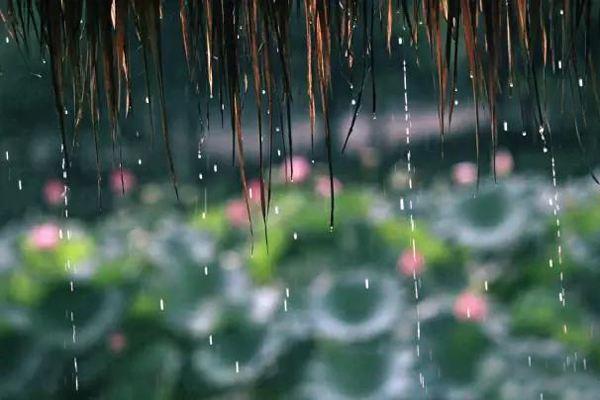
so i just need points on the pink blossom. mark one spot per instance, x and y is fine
(464, 173)
(301, 169)
(504, 162)
(122, 181)
(470, 306)
(323, 187)
(54, 192)
(117, 342)
(45, 236)
(410, 264)
(237, 214)
(254, 191)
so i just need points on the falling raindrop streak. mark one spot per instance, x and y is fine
(7, 157)
(285, 300)
(71, 269)
(554, 203)
(409, 171)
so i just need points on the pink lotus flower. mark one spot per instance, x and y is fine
(45, 236)
(323, 187)
(254, 191)
(122, 181)
(504, 162)
(54, 192)
(470, 306)
(301, 169)
(237, 214)
(117, 342)
(410, 264)
(464, 173)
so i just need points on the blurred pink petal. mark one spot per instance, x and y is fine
(122, 181)
(45, 236)
(117, 342)
(54, 192)
(464, 173)
(254, 191)
(301, 169)
(323, 188)
(470, 306)
(410, 264)
(237, 214)
(504, 163)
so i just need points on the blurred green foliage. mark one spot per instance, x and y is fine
(163, 305)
